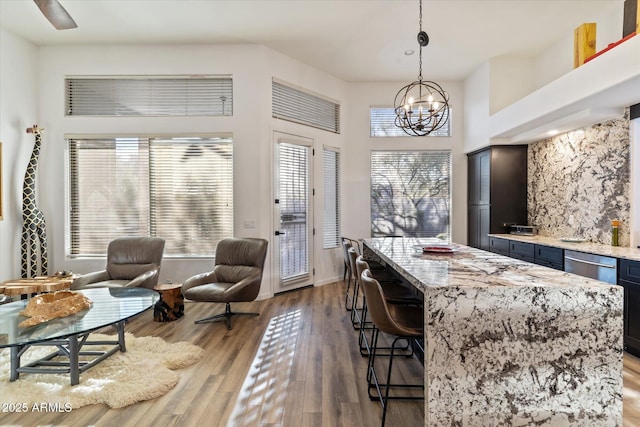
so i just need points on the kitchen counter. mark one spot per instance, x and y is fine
(511, 343)
(588, 247)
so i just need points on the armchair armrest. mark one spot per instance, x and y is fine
(89, 278)
(244, 283)
(148, 279)
(199, 279)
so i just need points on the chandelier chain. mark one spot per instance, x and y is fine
(420, 53)
(421, 107)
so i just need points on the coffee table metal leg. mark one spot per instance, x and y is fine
(120, 328)
(15, 362)
(74, 368)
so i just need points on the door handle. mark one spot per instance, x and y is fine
(597, 264)
(280, 233)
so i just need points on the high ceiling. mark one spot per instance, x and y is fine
(355, 40)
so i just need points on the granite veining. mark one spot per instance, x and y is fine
(510, 343)
(579, 181)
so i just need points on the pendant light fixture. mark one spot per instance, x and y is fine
(422, 106)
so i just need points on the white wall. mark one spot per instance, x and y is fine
(252, 127)
(477, 100)
(557, 60)
(18, 100)
(510, 78)
(356, 179)
(328, 262)
(500, 82)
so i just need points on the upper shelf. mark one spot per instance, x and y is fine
(599, 90)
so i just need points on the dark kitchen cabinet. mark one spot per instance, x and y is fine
(479, 218)
(522, 250)
(499, 246)
(629, 278)
(549, 256)
(497, 191)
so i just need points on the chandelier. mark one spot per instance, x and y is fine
(422, 106)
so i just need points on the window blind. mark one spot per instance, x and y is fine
(294, 208)
(180, 189)
(331, 210)
(149, 96)
(295, 105)
(410, 193)
(382, 124)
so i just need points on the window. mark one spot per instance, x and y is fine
(410, 193)
(382, 124)
(180, 189)
(295, 105)
(330, 171)
(149, 96)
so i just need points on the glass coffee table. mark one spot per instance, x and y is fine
(111, 307)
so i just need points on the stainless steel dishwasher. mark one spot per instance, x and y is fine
(589, 265)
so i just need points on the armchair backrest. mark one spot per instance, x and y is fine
(129, 257)
(239, 258)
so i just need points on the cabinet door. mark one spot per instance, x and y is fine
(478, 227)
(473, 227)
(484, 177)
(631, 316)
(549, 256)
(508, 187)
(473, 185)
(629, 277)
(521, 250)
(499, 246)
(479, 178)
(484, 213)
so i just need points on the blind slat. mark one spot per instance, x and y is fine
(382, 124)
(294, 207)
(331, 214)
(410, 193)
(294, 105)
(180, 189)
(149, 96)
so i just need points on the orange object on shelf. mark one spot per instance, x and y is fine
(611, 46)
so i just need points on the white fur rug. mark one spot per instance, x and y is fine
(145, 371)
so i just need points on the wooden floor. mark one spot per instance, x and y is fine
(297, 364)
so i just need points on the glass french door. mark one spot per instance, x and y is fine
(293, 211)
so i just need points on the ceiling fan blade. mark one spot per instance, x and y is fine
(56, 14)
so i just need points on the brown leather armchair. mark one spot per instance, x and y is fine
(236, 276)
(131, 261)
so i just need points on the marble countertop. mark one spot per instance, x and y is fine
(588, 247)
(467, 267)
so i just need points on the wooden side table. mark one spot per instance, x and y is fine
(170, 306)
(35, 285)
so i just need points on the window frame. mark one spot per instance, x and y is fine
(149, 96)
(448, 199)
(400, 133)
(335, 213)
(71, 192)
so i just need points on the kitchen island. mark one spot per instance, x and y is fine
(509, 343)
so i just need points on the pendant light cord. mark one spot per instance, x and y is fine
(420, 53)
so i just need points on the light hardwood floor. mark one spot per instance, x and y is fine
(297, 364)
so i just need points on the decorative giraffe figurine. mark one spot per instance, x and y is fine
(33, 223)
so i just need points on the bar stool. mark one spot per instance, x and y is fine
(348, 272)
(402, 322)
(394, 292)
(382, 276)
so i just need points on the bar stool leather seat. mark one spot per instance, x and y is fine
(402, 322)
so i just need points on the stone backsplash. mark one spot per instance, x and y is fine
(579, 181)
